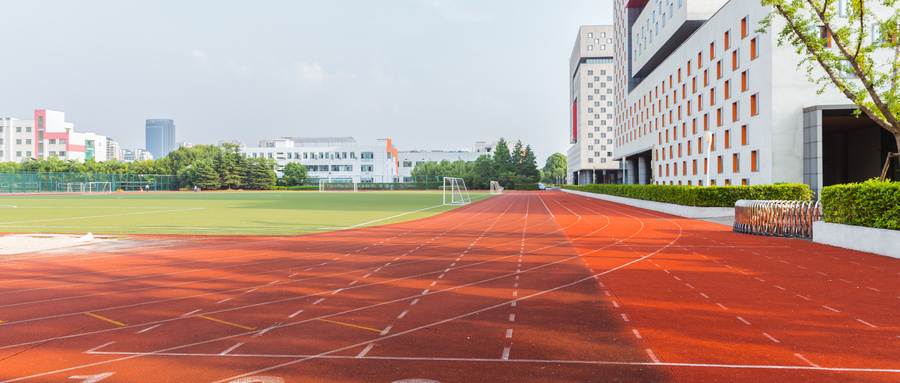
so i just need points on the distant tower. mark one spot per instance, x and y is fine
(160, 137)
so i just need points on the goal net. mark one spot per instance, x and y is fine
(97, 188)
(74, 187)
(455, 192)
(325, 186)
(495, 188)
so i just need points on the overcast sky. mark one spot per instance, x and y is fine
(429, 74)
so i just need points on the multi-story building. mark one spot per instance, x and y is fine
(702, 95)
(160, 137)
(48, 135)
(337, 159)
(113, 150)
(591, 94)
(410, 158)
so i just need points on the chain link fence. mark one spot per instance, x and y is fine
(53, 182)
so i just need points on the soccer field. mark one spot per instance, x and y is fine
(216, 213)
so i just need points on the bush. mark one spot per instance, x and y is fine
(871, 204)
(525, 186)
(709, 196)
(296, 188)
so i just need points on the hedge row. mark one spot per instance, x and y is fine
(708, 196)
(871, 203)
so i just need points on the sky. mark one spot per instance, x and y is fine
(429, 74)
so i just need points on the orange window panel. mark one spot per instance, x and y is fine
(735, 163)
(754, 161)
(679, 75)
(735, 60)
(754, 108)
(706, 166)
(743, 27)
(727, 40)
(745, 181)
(683, 169)
(744, 132)
(719, 117)
(699, 59)
(689, 67)
(695, 167)
(719, 69)
(706, 121)
(712, 143)
(727, 89)
(712, 97)
(735, 111)
(679, 150)
(744, 81)
(719, 164)
(753, 49)
(699, 145)
(727, 139)
(694, 85)
(712, 51)
(694, 126)
(706, 77)
(683, 91)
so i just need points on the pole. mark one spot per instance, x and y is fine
(709, 138)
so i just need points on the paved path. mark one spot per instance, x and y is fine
(522, 287)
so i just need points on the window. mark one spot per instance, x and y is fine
(712, 51)
(694, 167)
(719, 69)
(735, 111)
(712, 97)
(367, 155)
(590, 34)
(754, 161)
(727, 139)
(825, 35)
(18, 154)
(719, 164)
(735, 59)
(18, 141)
(590, 73)
(719, 117)
(754, 50)
(754, 105)
(407, 164)
(744, 138)
(745, 27)
(744, 81)
(590, 47)
(706, 77)
(596, 41)
(28, 129)
(727, 42)
(27, 141)
(18, 130)
(727, 89)
(602, 34)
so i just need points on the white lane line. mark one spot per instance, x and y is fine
(743, 320)
(636, 333)
(148, 329)
(512, 317)
(413, 303)
(802, 267)
(336, 291)
(866, 323)
(272, 283)
(807, 361)
(98, 347)
(433, 283)
(845, 281)
(873, 289)
(513, 304)
(615, 304)
(515, 293)
(689, 285)
(192, 312)
(386, 330)
(259, 334)
(652, 357)
(403, 314)
(803, 297)
(447, 270)
(704, 295)
(771, 338)
(376, 270)
(318, 301)
(353, 283)
(625, 318)
(249, 291)
(667, 271)
(365, 350)
(819, 272)
(676, 278)
(367, 275)
(292, 275)
(509, 333)
(224, 300)
(424, 292)
(723, 307)
(516, 285)
(452, 264)
(230, 349)
(295, 314)
(780, 288)
(607, 293)
(441, 276)
(831, 309)
(759, 279)
(505, 354)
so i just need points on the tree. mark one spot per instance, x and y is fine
(554, 168)
(859, 54)
(528, 168)
(261, 173)
(205, 175)
(231, 166)
(294, 174)
(502, 158)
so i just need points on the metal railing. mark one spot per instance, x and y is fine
(777, 218)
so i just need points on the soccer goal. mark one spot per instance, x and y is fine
(455, 192)
(495, 188)
(74, 187)
(97, 188)
(350, 186)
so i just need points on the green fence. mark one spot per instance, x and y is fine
(51, 182)
(392, 183)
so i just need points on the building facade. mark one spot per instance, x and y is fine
(703, 98)
(592, 98)
(409, 159)
(48, 135)
(160, 137)
(337, 159)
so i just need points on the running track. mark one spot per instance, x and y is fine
(522, 287)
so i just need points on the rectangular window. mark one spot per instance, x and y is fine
(712, 143)
(699, 59)
(727, 139)
(719, 164)
(18, 141)
(712, 97)
(719, 117)
(727, 89)
(727, 43)
(744, 139)
(706, 166)
(712, 51)
(706, 121)
(736, 162)
(735, 59)
(689, 67)
(706, 77)
(735, 111)
(754, 105)
(744, 28)
(744, 81)
(689, 152)
(754, 161)
(694, 167)
(745, 182)
(719, 69)
(754, 50)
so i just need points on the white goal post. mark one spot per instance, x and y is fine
(495, 188)
(325, 186)
(455, 192)
(97, 188)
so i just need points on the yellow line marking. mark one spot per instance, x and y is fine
(348, 324)
(229, 323)
(107, 319)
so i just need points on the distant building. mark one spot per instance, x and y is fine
(591, 95)
(338, 159)
(240, 144)
(113, 150)
(48, 135)
(183, 144)
(409, 159)
(160, 137)
(136, 155)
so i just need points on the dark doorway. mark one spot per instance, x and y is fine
(854, 148)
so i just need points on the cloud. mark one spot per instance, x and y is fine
(236, 68)
(200, 59)
(308, 73)
(451, 11)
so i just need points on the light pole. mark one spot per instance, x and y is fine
(709, 138)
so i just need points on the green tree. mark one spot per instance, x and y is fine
(232, 166)
(483, 172)
(859, 54)
(502, 159)
(294, 174)
(205, 175)
(261, 173)
(554, 168)
(529, 168)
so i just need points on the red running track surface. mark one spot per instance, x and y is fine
(521, 287)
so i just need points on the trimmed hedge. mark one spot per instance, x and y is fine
(871, 203)
(296, 188)
(703, 196)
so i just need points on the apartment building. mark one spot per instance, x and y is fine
(48, 135)
(337, 159)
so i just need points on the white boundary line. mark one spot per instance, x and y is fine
(402, 214)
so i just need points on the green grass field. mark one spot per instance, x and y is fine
(216, 213)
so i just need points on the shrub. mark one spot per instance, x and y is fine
(871, 203)
(296, 188)
(709, 196)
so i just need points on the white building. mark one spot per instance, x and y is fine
(338, 159)
(48, 135)
(113, 150)
(409, 159)
(689, 68)
(591, 96)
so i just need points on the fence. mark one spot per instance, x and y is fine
(54, 182)
(777, 218)
(392, 183)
